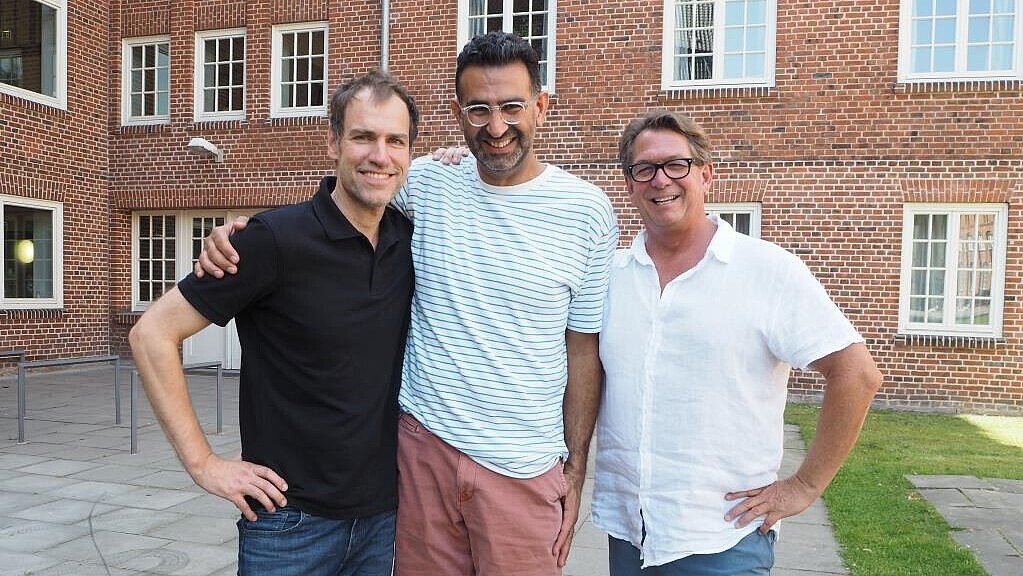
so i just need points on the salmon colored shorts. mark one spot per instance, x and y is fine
(457, 518)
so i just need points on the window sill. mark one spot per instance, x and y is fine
(31, 313)
(711, 91)
(952, 85)
(936, 341)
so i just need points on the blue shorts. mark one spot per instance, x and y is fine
(752, 556)
(290, 542)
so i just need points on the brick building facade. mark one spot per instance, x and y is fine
(882, 142)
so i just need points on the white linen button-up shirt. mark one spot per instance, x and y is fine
(696, 380)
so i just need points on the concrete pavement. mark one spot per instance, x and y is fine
(74, 501)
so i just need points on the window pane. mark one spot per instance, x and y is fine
(287, 45)
(980, 6)
(936, 284)
(733, 40)
(918, 284)
(917, 306)
(735, 13)
(944, 7)
(939, 226)
(921, 60)
(945, 31)
(923, 8)
(1001, 57)
(317, 40)
(302, 43)
(733, 66)
(755, 39)
(742, 223)
(938, 254)
(28, 252)
(919, 258)
(979, 29)
(922, 32)
(210, 51)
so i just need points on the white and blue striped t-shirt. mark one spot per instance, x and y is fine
(501, 273)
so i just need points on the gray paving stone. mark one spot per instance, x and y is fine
(13, 501)
(63, 511)
(92, 491)
(201, 530)
(199, 559)
(995, 499)
(945, 497)
(32, 536)
(207, 505)
(113, 473)
(947, 481)
(33, 448)
(171, 479)
(133, 520)
(1004, 485)
(34, 483)
(82, 452)
(21, 564)
(801, 547)
(84, 569)
(57, 467)
(153, 498)
(15, 461)
(100, 545)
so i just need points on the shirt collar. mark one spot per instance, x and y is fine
(337, 227)
(721, 245)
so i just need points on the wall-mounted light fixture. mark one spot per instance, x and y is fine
(203, 147)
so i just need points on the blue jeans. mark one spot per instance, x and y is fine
(290, 542)
(752, 556)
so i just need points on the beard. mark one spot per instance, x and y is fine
(500, 163)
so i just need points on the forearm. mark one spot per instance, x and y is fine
(852, 382)
(155, 341)
(582, 398)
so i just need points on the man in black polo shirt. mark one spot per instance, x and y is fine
(322, 313)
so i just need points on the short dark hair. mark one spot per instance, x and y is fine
(381, 86)
(665, 120)
(497, 48)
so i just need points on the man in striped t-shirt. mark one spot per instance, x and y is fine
(501, 380)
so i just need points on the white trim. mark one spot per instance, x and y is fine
(59, 99)
(126, 45)
(182, 242)
(199, 84)
(953, 210)
(668, 81)
(57, 301)
(462, 35)
(905, 74)
(276, 111)
(754, 209)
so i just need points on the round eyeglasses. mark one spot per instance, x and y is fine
(676, 169)
(511, 112)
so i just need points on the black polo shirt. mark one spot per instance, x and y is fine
(322, 320)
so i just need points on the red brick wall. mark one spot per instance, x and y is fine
(832, 152)
(61, 155)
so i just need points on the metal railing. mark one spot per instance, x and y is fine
(23, 377)
(133, 402)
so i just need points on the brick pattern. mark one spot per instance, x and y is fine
(832, 151)
(61, 155)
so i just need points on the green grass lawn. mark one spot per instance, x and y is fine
(883, 526)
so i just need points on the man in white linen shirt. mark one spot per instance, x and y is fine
(701, 327)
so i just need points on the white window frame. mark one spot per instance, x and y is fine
(948, 327)
(276, 110)
(182, 243)
(126, 47)
(959, 73)
(57, 301)
(752, 208)
(59, 99)
(668, 81)
(547, 83)
(201, 114)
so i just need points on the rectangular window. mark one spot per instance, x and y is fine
(165, 246)
(743, 217)
(953, 269)
(532, 20)
(960, 40)
(145, 73)
(33, 50)
(299, 72)
(720, 43)
(220, 75)
(32, 274)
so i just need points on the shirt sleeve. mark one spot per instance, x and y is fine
(586, 311)
(807, 324)
(220, 299)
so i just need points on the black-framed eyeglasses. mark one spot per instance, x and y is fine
(511, 112)
(676, 169)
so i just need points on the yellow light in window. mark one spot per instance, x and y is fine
(25, 251)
